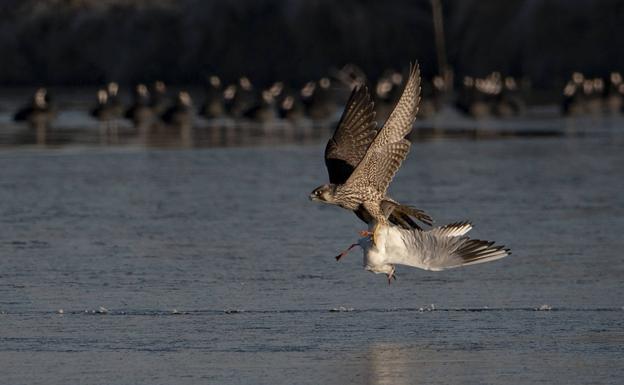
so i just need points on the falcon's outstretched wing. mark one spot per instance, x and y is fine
(355, 132)
(389, 148)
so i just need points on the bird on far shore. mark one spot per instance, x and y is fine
(39, 112)
(181, 113)
(213, 106)
(140, 112)
(102, 111)
(159, 101)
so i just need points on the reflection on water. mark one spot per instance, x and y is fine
(74, 127)
(509, 359)
(216, 134)
(389, 365)
(229, 133)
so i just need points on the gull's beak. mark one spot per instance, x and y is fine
(312, 197)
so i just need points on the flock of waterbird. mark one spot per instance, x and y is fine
(361, 161)
(584, 95)
(494, 95)
(315, 100)
(480, 97)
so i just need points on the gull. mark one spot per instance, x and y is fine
(437, 249)
(362, 161)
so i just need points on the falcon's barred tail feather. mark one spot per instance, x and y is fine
(402, 215)
(411, 211)
(404, 221)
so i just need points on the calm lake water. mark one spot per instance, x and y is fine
(126, 265)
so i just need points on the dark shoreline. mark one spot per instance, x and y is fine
(181, 42)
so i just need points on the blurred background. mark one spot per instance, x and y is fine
(90, 42)
(131, 63)
(156, 159)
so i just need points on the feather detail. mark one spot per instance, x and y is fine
(438, 249)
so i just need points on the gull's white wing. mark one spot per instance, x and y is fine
(435, 250)
(452, 230)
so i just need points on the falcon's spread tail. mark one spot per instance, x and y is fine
(401, 215)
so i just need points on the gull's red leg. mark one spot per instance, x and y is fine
(365, 233)
(345, 252)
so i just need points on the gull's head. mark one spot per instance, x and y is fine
(324, 193)
(381, 269)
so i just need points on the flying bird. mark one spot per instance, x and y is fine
(362, 160)
(437, 249)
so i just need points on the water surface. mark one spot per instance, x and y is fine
(155, 266)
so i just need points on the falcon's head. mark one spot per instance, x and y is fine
(324, 193)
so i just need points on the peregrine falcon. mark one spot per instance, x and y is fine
(362, 160)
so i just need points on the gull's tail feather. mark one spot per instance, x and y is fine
(456, 229)
(475, 251)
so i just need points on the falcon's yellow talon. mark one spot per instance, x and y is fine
(373, 234)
